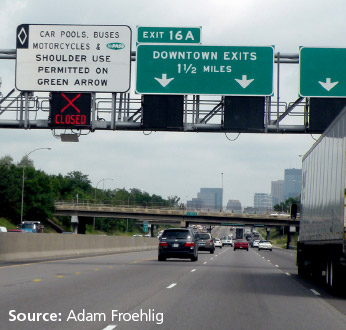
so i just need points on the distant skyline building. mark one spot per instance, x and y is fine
(207, 199)
(278, 191)
(263, 202)
(234, 206)
(293, 183)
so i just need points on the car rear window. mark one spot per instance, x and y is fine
(178, 234)
(203, 236)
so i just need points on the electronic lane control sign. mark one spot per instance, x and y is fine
(73, 58)
(70, 110)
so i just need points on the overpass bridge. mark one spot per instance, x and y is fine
(172, 216)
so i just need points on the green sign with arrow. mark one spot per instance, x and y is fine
(322, 72)
(211, 70)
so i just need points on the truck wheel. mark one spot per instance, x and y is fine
(302, 271)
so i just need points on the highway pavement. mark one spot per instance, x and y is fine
(226, 290)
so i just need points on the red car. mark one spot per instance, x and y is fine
(240, 244)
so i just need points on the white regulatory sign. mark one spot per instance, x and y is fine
(73, 58)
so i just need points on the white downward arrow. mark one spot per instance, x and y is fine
(164, 81)
(328, 85)
(244, 82)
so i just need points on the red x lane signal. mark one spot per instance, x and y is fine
(70, 102)
(70, 110)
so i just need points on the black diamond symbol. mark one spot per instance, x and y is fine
(22, 36)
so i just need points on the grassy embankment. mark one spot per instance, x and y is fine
(277, 239)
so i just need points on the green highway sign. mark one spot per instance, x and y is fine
(145, 226)
(322, 72)
(191, 213)
(169, 35)
(211, 70)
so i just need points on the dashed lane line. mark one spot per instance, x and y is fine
(315, 292)
(110, 327)
(172, 286)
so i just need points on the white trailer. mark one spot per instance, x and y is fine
(321, 248)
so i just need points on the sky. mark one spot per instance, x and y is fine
(178, 164)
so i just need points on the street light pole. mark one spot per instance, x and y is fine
(103, 184)
(96, 191)
(222, 191)
(23, 182)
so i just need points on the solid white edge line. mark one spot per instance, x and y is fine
(288, 274)
(315, 292)
(110, 327)
(172, 286)
(193, 270)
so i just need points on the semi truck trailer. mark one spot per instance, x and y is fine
(321, 250)
(239, 233)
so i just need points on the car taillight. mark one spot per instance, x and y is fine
(189, 244)
(163, 244)
(211, 241)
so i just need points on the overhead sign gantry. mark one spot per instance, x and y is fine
(73, 58)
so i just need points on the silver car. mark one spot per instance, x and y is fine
(264, 245)
(205, 242)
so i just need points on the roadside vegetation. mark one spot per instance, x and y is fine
(41, 190)
(278, 237)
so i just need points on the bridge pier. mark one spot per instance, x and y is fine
(152, 228)
(184, 224)
(268, 233)
(288, 239)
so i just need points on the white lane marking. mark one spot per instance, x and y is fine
(193, 270)
(204, 262)
(277, 266)
(315, 292)
(211, 258)
(288, 274)
(110, 327)
(262, 257)
(172, 286)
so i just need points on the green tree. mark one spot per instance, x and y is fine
(6, 161)
(26, 162)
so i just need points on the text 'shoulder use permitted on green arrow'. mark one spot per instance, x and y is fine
(322, 72)
(211, 70)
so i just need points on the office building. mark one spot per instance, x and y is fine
(278, 191)
(293, 183)
(209, 199)
(234, 206)
(263, 203)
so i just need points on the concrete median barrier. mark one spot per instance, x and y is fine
(27, 246)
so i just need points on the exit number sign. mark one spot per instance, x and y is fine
(169, 35)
